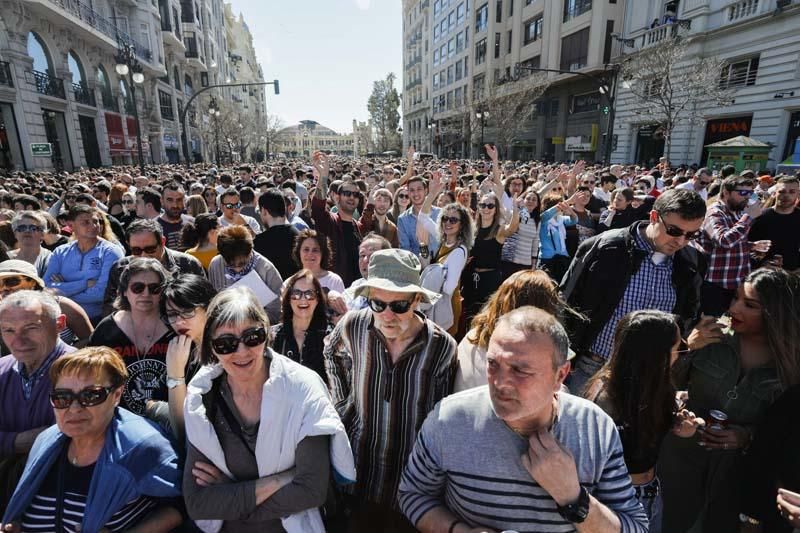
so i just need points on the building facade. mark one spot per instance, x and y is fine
(759, 41)
(416, 102)
(62, 103)
(303, 139)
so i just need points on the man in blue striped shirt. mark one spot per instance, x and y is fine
(518, 454)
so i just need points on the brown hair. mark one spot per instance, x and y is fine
(234, 241)
(322, 241)
(94, 360)
(320, 313)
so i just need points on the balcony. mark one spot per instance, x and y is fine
(5, 74)
(576, 8)
(48, 85)
(83, 95)
(172, 39)
(413, 83)
(193, 54)
(88, 23)
(661, 33)
(414, 61)
(167, 113)
(744, 9)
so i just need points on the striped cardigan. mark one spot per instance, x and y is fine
(383, 405)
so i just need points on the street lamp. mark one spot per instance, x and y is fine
(128, 65)
(431, 126)
(214, 113)
(482, 115)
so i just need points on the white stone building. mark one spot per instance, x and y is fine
(303, 139)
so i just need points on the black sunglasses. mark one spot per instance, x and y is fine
(486, 206)
(88, 397)
(347, 194)
(135, 250)
(152, 288)
(674, 231)
(297, 294)
(237, 205)
(398, 306)
(402, 196)
(451, 220)
(227, 344)
(10, 281)
(745, 193)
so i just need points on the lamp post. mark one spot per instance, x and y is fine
(482, 115)
(275, 84)
(214, 113)
(606, 84)
(430, 126)
(128, 65)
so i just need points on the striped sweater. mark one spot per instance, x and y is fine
(467, 459)
(383, 405)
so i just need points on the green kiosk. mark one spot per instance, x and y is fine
(742, 152)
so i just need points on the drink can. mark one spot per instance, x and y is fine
(719, 420)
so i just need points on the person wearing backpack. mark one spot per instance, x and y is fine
(455, 232)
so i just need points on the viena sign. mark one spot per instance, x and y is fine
(575, 144)
(41, 149)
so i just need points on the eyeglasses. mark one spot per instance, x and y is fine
(172, 315)
(451, 220)
(743, 192)
(10, 282)
(486, 206)
(297, 294)
(674, 231)
(348, 194)
(398, 306)
(402, 196)
(583, 189)
(128, 202)
(135, 250)
(27, 228)
(227, 344)
(152, 288)
(87, 397)
(237, 205)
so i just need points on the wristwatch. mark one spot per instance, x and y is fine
(577, 511)
(174, 382)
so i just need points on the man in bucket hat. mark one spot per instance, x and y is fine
(387, 367)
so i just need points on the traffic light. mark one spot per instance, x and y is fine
(605, 109)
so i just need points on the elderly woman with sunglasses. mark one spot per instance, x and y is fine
(100, 468)
(304, 322)
(262, 432)
(29, 229)
(140, 337)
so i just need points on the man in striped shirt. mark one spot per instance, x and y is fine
(387, 367)
(518, 454)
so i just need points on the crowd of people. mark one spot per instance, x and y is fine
(396, 345)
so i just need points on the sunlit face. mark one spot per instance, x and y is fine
(78, 421)
(661, 240)
(520, 373)
(145, 301)
(172, 202)
(393, 325)
(737, 201)
(417, 193)
(28, 332)
(443, 200)
(451, 223)
(787, 194)
(310, 254)
(464, 197)
(365, 251)
(746, 311)
(11, 283)
(348, 197)
(403, 198)
(186, 321)
(87, 226)
(146, 243)
(303, 308)
(516, 186)
(531, 201)
(230, 206)
(382, 204)
(246, 362)
(210, 197)
(620, 203)
(33, 234)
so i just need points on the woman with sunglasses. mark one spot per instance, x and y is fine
(29, 230)
(521, 248)
(304, 322)
(262, 432)
(637, 392)
(100, 468)
(402, 201)
(733, 374)
(138, 334)
(182, 306)
(210, 196)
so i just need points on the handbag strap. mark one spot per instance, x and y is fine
(236, 428)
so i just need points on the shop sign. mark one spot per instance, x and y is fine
(41, 149)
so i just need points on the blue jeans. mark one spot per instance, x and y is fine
(583, 368)
(649, 495)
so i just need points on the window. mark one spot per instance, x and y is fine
(436, 33)
(482, 18)
(450, 100)
(443, 28)
(451, 47)
(437, 6)
(461, 14)
(511, 8)
(576, 8)
(451, 21)
(459, 70)
(739, 74)
(436, 57)
(165, 102)
(533, 29)
(508, 48)
(466, 66)
(478, 87)
(457, 96)
(583, 103)
(555, 105)
(480, 51)
(497, 45)
(574, 50)
(450, 72)
(436, 80)
(534, 62)
(459, 42)
(498, 10)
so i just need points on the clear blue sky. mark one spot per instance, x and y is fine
(326, 54)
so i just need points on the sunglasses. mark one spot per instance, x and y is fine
(88, 397)
(135, 250)
(11, 281)
(227, 344)
(172, 316)
(237, 205)
(743, 193)
(398, 306)
(152, 288)
(674, 231)
(28, 228)
(486, 206)
(451, 220)
(128, 202)
(402, 196)
(297, 294)
(706, 183)
(348, 194)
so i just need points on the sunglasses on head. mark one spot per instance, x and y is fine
(229, 205)
(87, 397)
(486, 206)
(674, 231)
(297, 294)
(135, 250)
(347, 194)
(398, 306)
(451, 220)
(152, 288)
(28, 228)
(227, 344)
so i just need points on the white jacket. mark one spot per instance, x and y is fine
(296, 404)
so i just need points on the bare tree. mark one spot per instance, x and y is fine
(508, 105)
(271, 132)
(671, 87)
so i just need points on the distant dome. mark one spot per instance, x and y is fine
(312, 126)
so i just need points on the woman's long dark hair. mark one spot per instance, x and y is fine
(320, 318)
(637, 378)
(186, 291)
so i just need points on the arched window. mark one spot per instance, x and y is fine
(105, 88)
(176, 79)
(188, 87)
(38, 51)
(76, 69)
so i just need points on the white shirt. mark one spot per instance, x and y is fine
(689, 186)
(253, 223)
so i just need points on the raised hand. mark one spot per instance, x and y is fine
(491, 151)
